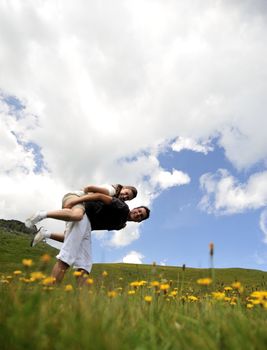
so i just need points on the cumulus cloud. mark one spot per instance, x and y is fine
(166, 179)
(125, 236)
(223, 194)
(163, 262)
(187, 143)
(102, 87)
(133, 257)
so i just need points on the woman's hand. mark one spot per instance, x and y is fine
(70, 204)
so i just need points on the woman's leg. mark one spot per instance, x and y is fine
(74, 214)
(65, 214)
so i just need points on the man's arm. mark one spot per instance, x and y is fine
(90, 197)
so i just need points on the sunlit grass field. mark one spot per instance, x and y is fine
(125, 306)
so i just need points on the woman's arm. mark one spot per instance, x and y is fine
(90, 197)
(96, 189)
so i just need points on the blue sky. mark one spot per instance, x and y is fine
(167, 96)
(179, 232)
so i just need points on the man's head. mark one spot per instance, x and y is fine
(139, 214)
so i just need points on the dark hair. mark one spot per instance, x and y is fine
(147, 211)
(133, 189)
(119, 187)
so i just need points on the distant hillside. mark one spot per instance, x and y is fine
(14, 226)
(15, 246)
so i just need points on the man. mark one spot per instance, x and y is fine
(102, 213)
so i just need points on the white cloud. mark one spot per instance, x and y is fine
(182, 143)
(263, 224)
(224, 195)
(166, 179)
(133, 257)
(103, 84)
(163, 262)
(23, 194)
(125, 236)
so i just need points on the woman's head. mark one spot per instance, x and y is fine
(127, 193)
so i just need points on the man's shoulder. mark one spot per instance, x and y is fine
(118, 203)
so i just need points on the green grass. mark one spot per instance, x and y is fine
(16, 246)
(32, 318)
(34, 315)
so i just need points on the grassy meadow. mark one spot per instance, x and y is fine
(126, 306)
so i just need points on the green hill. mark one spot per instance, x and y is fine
(14, 226)
(15, 246)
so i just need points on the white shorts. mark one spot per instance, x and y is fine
(72, 196)
(76, 249)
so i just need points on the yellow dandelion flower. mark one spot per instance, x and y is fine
(155, 284)
(89, 281)
(173, 293)
(249, 306)
(148, 299)
(164, 286)
(218, 295)
(112, 294)
(227, 299)
(17, 272)
(228, 289)
(104, 273)
(45, 258)
(27, 280)
(238, 286)
(48, 280)
(142, 283)
(134, 284)
(68, 288)
(77, 273)
(27, 262)
(192, 298)
(37, 275)
(259, 294)
(255, 294)
(131, 292)
(204, 281)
